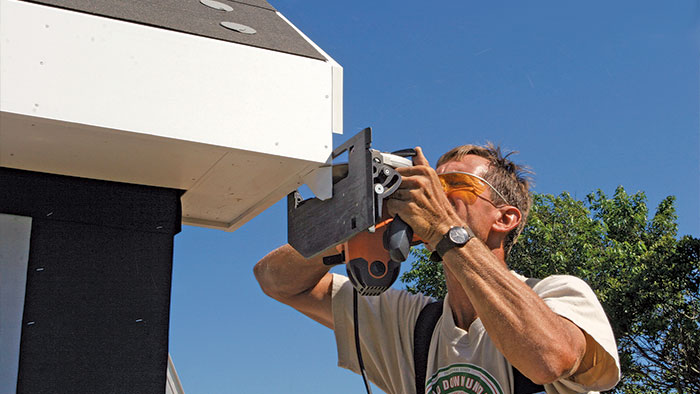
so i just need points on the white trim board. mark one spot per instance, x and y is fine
(172, 384)
(108, 73)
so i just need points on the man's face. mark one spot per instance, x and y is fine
(480, 214)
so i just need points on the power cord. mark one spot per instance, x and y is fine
(357, 342)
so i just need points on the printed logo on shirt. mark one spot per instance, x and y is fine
(463, 379)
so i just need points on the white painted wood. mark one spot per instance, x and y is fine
(336, 77)
(224, 187)
(317, 182)
(246, 184)
(125, 76)
(15, 232)
(173, 384)
(57, 147)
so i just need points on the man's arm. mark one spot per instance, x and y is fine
(304, 284)
(541, 344)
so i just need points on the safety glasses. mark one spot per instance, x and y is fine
(466, 186)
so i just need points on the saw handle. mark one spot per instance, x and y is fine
(397, 239)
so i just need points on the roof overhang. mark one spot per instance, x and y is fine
(234, 125)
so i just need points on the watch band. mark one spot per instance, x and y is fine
(455, 237)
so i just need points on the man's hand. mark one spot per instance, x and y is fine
(421, 202)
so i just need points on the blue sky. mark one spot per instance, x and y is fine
(593, 95)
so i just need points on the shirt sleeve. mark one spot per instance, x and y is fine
(386, 325)
(573, 299)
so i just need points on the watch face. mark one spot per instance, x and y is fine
(458, 235)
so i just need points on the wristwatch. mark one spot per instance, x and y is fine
(456, 237)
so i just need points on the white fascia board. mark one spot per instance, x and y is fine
(337, 81)
(81, 68)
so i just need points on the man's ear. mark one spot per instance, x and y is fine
(509, 219)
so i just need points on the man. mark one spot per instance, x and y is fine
(553, 331)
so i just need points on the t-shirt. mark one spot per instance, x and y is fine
(462, 361)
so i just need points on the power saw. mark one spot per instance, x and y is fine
(371, 244)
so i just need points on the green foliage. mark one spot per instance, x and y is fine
(647, 279)
(425, 275)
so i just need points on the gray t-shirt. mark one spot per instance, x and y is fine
(462, 361)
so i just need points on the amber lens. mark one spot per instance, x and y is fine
(463, 186)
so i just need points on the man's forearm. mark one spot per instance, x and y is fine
(286, 273)
(541, 344)
(304, 284)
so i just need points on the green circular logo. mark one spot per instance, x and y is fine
(463, 379)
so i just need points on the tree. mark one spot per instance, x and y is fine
(647, 279)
